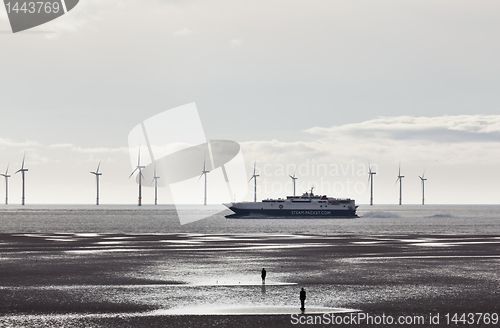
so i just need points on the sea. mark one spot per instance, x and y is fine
(376, 219)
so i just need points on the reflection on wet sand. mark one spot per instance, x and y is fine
(111, 276)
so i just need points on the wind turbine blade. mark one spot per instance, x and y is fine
(423, 174)
(22, 166)
(132, 172)
(200, 177)
(98, 166)
(7, 171)
(254, 164)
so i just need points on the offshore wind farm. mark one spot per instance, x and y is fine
(155, 180)
(400, 180)
(204, 172)
(22, 170)
(140, 176)
(97, 175)
(6, 176)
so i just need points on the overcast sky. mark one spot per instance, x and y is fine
(297, 83)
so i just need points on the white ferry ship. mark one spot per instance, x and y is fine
(307, 205)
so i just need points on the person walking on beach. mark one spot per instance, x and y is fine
(263, 275)
(302, 299)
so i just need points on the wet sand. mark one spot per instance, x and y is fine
(156, 280)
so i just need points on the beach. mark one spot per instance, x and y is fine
(213, 280)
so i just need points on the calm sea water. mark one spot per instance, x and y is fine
(377, 219)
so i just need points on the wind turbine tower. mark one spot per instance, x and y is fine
(139, 167)
(22, 170)
(293, 178)
(204, 172)
(254, 176)
(400, 179)
(423, 185)
(370, 179)
(97, 174)
(155, 179)
(7, 176)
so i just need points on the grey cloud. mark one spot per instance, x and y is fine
(460, 128)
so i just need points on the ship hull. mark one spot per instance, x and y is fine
(305, 206)
(293, 213)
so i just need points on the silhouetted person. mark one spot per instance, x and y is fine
(302, 299)
(263, 275)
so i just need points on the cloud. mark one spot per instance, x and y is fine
(35, 145)
(463, 123)
(446, 146)
(101, 150)
(446, 139)
(91, 150)
(6, 142)
(35, 158)
(183, 32)
(236, 42)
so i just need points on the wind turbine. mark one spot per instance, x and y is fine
(139, 167)
(155, 179)
(423, 183)
(254, 176)
(370, 179)
(293, 178)
(22, 170)
(400, 179)
(7, 176)
(204, 172)
(97, 174)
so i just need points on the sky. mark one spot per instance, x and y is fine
(320, 88)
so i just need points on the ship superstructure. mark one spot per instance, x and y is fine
(307, 205)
